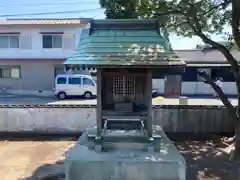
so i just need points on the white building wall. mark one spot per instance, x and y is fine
(34, 76)
(203, 88)
(207, 56)
(36, 50)
(197, 88)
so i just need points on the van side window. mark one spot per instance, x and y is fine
(87, 81)
(61, 80)
(74, 81)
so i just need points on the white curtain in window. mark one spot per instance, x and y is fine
(57, 41)
(15, 72)
(14, 41)
(4, 41)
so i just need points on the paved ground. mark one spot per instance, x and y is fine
(19, 159)
(52, 100)
(206, 160)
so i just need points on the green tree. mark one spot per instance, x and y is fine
(120, 9)
(202, 18)
(197, 18)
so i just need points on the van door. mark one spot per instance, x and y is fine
(89, 85)
(74, 86)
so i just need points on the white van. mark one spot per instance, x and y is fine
(74, 85)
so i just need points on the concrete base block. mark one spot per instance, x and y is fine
(84, 163)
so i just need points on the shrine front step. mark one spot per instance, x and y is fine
(129, 170)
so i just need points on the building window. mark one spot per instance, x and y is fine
(10, 72)
(52, 41)
(9, 41)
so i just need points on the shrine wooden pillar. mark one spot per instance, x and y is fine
(149, 101)
(99, 102)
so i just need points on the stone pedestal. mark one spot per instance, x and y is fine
(124, 161)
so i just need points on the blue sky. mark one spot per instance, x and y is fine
(83, 8)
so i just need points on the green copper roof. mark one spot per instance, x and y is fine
(123, 42)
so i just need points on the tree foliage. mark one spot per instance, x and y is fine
(120, 9)
(202, 18)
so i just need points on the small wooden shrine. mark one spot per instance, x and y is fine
(125, 53)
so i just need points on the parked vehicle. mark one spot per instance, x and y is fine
(74, 85)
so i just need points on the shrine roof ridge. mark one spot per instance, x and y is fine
(125, 24)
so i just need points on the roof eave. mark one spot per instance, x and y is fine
(43, 22)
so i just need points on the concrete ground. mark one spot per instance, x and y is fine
(29, 159)
(53, 100)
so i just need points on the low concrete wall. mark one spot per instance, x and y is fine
(52, 120)
(195, 119)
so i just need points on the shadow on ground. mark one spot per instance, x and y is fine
(48, 172)
(32, 136)
(208, 160)
(55, 171)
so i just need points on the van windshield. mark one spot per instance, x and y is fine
(61, 80)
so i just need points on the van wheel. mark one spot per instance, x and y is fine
(88, 95)
(62, 95)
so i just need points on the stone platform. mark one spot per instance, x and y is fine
(125, 163)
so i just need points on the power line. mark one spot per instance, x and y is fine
(49, 13)
(48, 4)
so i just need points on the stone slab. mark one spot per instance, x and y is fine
(129, 164)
